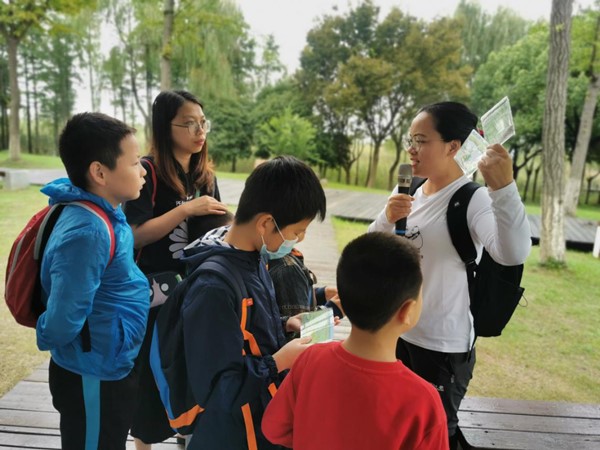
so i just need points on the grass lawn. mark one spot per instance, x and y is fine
(29, 161)
(549, 350)
(18, 354)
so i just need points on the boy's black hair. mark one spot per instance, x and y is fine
(198, 226)
(89, 137)
(284, 187)
(452, 120)
(376, 274)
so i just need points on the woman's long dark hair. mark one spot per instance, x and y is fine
(164, 109)
(452, 120)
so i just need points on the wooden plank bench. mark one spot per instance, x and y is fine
(29, 421)
(493, 423)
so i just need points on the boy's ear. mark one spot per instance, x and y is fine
(97, 174)
(264, 223)
(405, 314)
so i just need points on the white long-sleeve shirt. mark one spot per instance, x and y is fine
(497, 221)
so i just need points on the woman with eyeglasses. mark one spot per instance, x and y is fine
(440, 347)
(180, 187)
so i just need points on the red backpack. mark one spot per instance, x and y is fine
(23, 286)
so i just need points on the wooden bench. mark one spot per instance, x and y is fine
(493, 423)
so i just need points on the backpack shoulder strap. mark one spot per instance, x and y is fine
(45, 229)
(149, 166)
(229, 272)
(456, 217)
(415, 183)
(458, 227)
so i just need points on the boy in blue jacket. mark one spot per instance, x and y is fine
(235, 348)
(93, 387)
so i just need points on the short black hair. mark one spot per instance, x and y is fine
(453, 120)
(198, 226)
(376, 274)
(89, 137)
(284, 187)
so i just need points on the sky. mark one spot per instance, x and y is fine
(290, 20)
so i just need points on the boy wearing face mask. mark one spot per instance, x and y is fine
(234, 374)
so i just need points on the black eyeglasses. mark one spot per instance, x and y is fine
(195, 127)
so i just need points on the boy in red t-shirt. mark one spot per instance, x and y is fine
(356, 394)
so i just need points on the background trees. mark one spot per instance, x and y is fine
(362, 77)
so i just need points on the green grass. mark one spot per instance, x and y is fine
(29, 161)
(587, 212)
(549, 349)
(18, 354)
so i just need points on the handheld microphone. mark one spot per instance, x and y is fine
(404, 180)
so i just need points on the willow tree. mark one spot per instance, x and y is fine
(16, 18)
(552, 236)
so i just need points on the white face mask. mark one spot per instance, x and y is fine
(284, 249)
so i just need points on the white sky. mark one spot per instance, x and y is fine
(290, 20)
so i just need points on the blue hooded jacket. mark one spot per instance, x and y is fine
(77, 285)
(228, 379)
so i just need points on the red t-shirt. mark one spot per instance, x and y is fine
(332, 399)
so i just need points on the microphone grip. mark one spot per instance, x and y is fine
(401, 227)
(401, 224)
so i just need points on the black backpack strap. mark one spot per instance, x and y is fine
(415, 183)
(222, 266)
(456, 216)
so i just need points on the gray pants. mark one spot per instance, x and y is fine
(450, 374)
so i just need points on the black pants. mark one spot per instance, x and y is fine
(94, 414)
(450, 374)
(150, 421)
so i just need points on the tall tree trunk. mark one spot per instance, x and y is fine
(93, 94)
(14, 142)
(36, 120)
(552, 238)
(584, 134)
(573, 188)
(165, 55)
(27, 104)
(373, 165)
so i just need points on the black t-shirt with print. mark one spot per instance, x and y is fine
(163, 254)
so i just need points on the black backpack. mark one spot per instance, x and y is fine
(494, 289)
(167, 355)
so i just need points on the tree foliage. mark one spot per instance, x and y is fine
(16, 19)
(288, 134)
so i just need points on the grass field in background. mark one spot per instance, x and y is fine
(29, 161)
(18, 353)
(549, 349)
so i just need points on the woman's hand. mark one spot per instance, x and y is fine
(202, 206)
(398, 207)
(496, 167)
